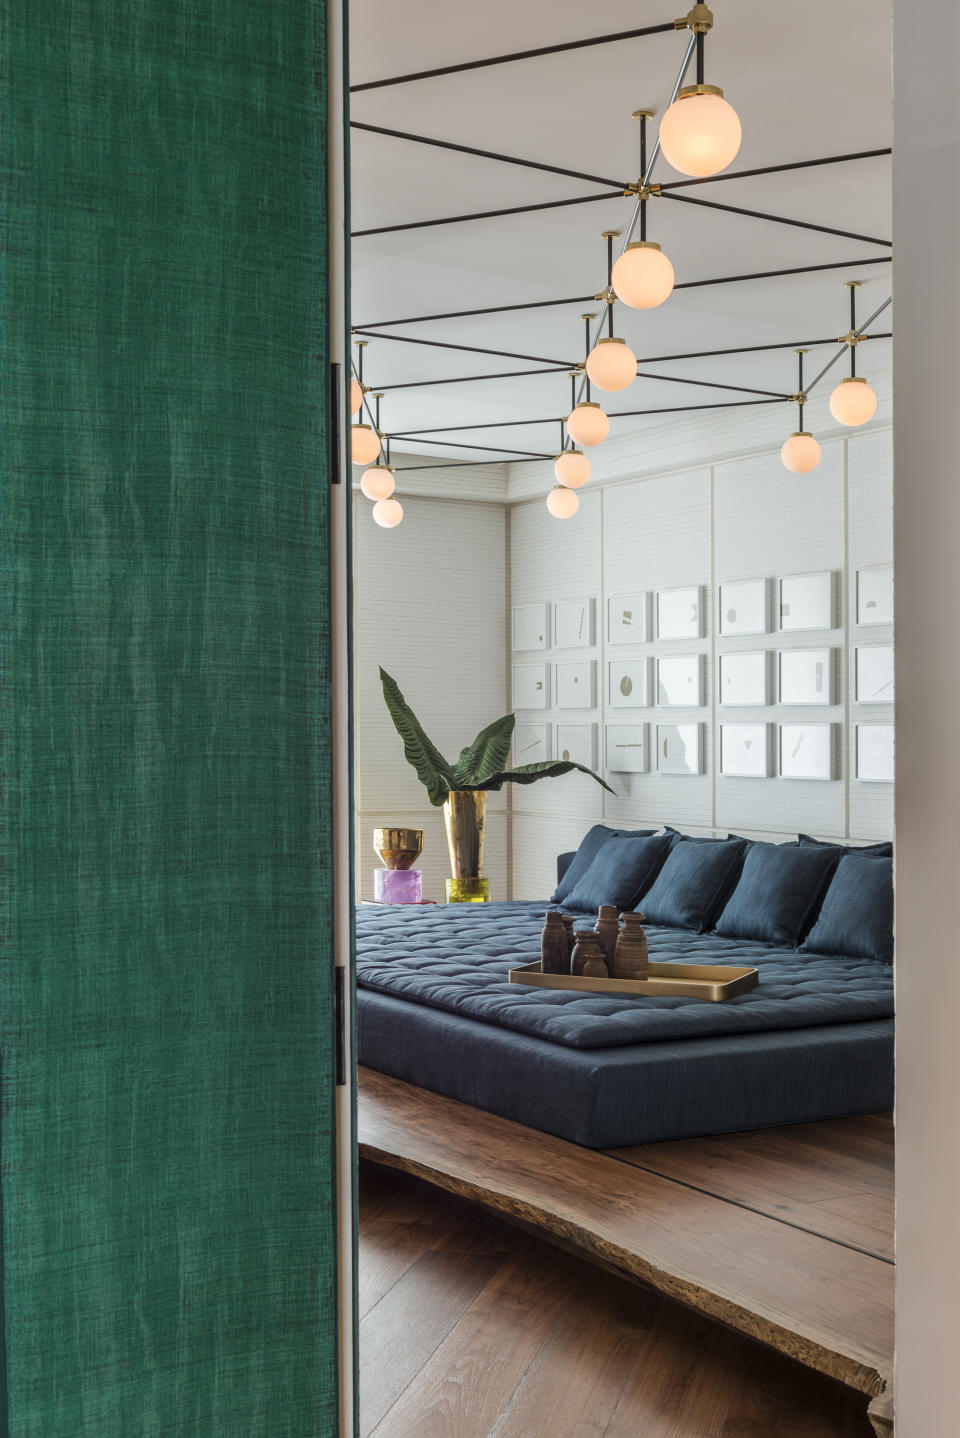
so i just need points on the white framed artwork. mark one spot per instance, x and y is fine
(744, 607)
(874, 753)
(874, 677)
(875, 595)
(574, 684)
(530, 627)
(628, 748)
(806, 751)
(806, 676)
(629, 683)
(531, 686)
(745, 677)
(680, 748)
(628, 619)
(746, 750)
(807, 601)
(680, 613)
(577, 743)
(531, 743)
(680, 680)
(573, 624)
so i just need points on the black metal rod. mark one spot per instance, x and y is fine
(487, 214)
(469, 349)
(777, 169)
(586, 299)
(800, 388)
(753, 349)
(604, 180)
(776, 219)
(700, 40)
(474, 378)
(457, 444)
(514, 56)
(464, 464)
(712, 384)
(865, 326)
(621, 414)
(853, 330)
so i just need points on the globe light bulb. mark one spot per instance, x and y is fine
(643, 276)
(387, 513)
(853, 402)
(364, 444)
(800, 453)
(572, 468)
(378, 482)
(562, 503)
(700, 132)
(587, 424)
(611, 365)
(356, 396)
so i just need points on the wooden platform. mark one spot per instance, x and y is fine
(784, 1234)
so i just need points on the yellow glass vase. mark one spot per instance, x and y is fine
(465, 819)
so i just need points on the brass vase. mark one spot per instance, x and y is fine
(465, 819)
(398, 848)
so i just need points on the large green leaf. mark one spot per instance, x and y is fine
(486, 755)
(543, 769)
(433, 770)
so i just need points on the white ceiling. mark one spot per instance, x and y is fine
(807, 81)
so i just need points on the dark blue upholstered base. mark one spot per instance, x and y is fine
(635, 1093)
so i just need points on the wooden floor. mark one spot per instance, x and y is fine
(784, 1235)
(473, 1328)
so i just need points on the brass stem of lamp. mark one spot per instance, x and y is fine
(465, 820)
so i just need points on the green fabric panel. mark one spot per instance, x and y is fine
(167, 1026)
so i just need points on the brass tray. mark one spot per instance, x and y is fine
(711, 982)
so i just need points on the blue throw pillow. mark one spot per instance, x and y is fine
(694, 883)
(624, 869)
(883, 851)
(779, 892)
(591, 844)
(857, 913)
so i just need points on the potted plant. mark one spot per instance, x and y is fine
(460, 787)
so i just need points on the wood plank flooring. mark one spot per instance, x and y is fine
(473, 1328)
(780, 1238)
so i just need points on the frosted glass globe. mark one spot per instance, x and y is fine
(562, 503)
(853, 402)
(611, 365)
(643, 276)
(364, 444)
(572, 468)
(388, 513)
(587, 424)
(378, 482)
(700, 132)
(800, 453)
(356, 396)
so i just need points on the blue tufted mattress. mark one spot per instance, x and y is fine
(813, 1040)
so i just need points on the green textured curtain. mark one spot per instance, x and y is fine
(167, 1028)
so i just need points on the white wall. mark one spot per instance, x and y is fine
(927, 326)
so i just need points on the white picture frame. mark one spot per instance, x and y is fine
(807, 676)
(531, 627)
(629, 683)
(744, 677)
(574, 684)
(627, 748)
(531, 743)
(875, 595)
(531, 686)
(808, 601)
(680, 612)
(628, 618)
(680, 749)
(577, 744)
(746, 751)
(573, 623)
(874, 675)
(874, 753)
(680, 681)
(743, 607)
(807, 751)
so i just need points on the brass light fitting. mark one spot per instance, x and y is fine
(699, 20)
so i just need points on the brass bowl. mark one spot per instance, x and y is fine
(398, 848)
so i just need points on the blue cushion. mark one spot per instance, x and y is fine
(779, 892)
(590, 846)
(694, 883)
(857, 914)
(884, 851)
(624, 869)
